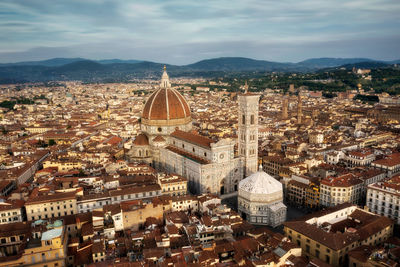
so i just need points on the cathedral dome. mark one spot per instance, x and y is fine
(165, 110)
(141, 140)
(166, 104)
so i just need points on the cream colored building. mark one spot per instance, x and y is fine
(11, 211)
(49, 205)
(315, 138)
(172, 185)
(90, 202)
(185, 203)
(384, 198)
(63, 165)
(341, 189)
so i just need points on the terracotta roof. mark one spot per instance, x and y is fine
(188, 155)
(367, 225)
(98, 247)
(158, 138)
(361, 253)
(390, 161)
(141, 140)
(37, 197)
(335, 241)
(17, 228)
(132, 190)
(93, 196)
(345, 180)
(298, 184)
(193, 138)
(12, 204)
(166, 104)
(360, 154)
(113, 140)
(83, 255)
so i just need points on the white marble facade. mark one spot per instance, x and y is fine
(210, 168)
(260, 200)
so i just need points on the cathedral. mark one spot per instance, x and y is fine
(168, 143)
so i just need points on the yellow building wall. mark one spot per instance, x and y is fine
(62, 166)
(133, 219)
(54, 255)
(336, 257)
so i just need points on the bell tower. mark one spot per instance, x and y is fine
(299, 109)
(248, 131)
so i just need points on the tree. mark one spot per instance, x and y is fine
(3, 129)
(41, 143)
(81, 173)
(52, 142)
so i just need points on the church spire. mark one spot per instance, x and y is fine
(165, 79)
(246, 87)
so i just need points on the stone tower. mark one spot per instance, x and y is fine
(285, 104)
(299, 109)
(291, 88)
(248, 132)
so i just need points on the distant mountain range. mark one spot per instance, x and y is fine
(122, 70)
(56, 62)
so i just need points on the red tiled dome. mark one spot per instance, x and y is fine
(141, 140)
(166, 104)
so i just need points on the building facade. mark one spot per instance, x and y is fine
(341, 189)
(329, 235)
(172, 185)
(248, 131)
(50, 205)
(384, 198)
(12, 211)
(168, 143)
(260, 200)
(44, 245)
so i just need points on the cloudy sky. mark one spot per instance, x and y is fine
(185, 31)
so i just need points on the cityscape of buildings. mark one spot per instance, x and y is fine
(166, 173)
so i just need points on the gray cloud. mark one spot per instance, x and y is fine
(181, 31)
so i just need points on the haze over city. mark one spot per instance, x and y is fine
(183, 32)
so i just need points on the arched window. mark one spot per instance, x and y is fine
(252, 119)
(140, 153)
(243, 119)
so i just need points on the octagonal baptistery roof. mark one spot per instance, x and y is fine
(166, 106)
(260, 184)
